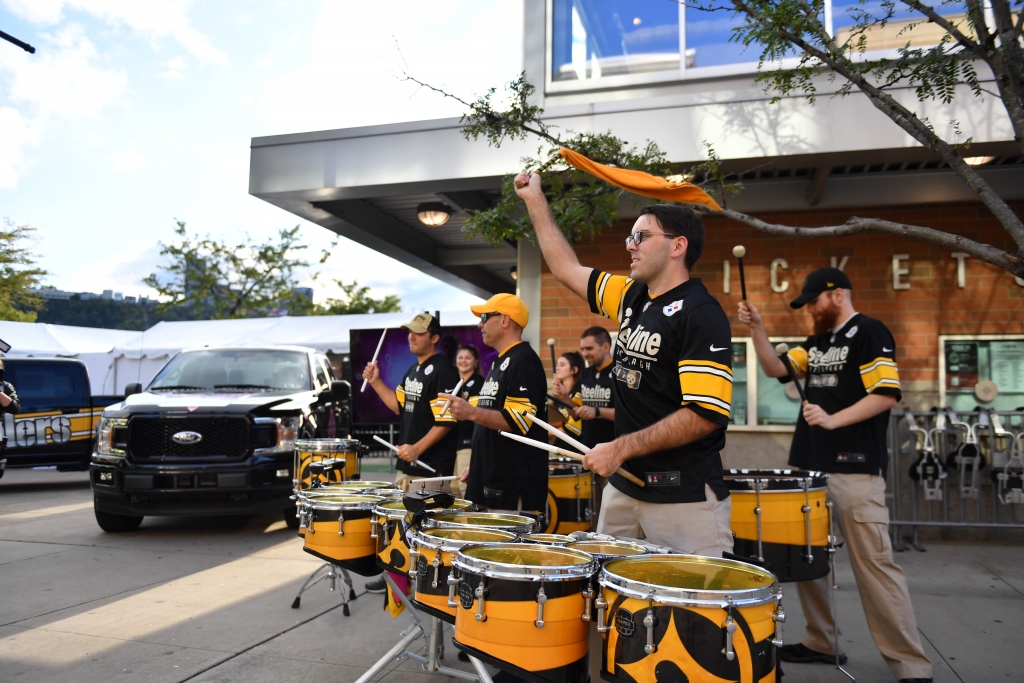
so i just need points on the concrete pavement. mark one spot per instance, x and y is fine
(187, 599)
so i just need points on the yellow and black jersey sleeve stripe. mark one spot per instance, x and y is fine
(606, 294)
(474, 400)
(400, 395)
(518, 407)
(707, 384)
(577, 398)
(880, 373)
(798, 359)
(436, 406)
(573, 426)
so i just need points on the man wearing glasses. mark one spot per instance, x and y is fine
(673, 371)
(506, 475)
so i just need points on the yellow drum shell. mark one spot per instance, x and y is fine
(782, 519)
(314, 450)
(391, 547)
(446, 542)
(322, 538)
(562, 496)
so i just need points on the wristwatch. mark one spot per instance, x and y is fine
(597, 412)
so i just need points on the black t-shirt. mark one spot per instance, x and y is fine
(841, 369)
(502, 470)
(465, 429)
(418, 390)
(673, 351)
(595, 390)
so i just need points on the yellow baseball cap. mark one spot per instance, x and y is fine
(509, 304)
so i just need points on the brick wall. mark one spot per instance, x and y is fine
(991, 302)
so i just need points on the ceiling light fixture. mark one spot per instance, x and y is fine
(433, 214)
(977, 161)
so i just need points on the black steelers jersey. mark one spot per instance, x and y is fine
(595, 390)
(502, 470)
(673, 351)
(416, 394)
(471, 387)
(842, 368)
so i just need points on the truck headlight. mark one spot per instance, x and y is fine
(288, 433)
(276, 434)
(112, 436)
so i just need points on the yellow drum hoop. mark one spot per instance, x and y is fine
(689, 597)
(467, 561)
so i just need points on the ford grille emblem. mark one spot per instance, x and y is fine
(187, 437)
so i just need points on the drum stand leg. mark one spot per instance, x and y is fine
(835, 587)
(435, 645)
(330, 572)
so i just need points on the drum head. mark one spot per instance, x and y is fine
(604, 549)
(550, 539)
(470, 535)
(689, 580)
(774, 480)
(514, 523)
(526, 559)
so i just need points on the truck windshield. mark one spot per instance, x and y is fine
(235, 369)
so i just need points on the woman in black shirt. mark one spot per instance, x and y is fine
(467, 362)
(567, 379)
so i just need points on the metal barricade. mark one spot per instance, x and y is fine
(955, 470)
(365, 432)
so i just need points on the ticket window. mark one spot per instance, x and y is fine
(777, 403)
(739, 413)
(985, 371)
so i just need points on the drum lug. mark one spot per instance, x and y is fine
(481, 616)
(806, 509)
(341, 523)
(601, 605)
(414, 562)
(650, 621)
(452, 583)
(437, 568)
(730, 628)
(779, 617)
(588, 596)
(541, 599)
(373, 527)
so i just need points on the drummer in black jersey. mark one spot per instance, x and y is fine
(425, 435)
(506, 475)
(596, 411)
(852, 383)
(673, 372)
(467, 362)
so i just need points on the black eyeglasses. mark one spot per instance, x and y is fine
(639, 236)
(484, 317)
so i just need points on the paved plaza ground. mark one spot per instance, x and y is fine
(187, 599)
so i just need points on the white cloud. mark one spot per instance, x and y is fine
(174, 68)
(152, 19)
(127, 162)
(18, 134)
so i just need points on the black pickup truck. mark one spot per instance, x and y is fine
(214, 433)
(57, 421)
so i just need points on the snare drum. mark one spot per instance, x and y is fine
(338, 531)
(780, 517)
(339, 457)
(520, 608)
(570, 498)
(389, 532)
(434, 584)
(688, 618)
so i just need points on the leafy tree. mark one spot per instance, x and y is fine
(218, 281)
(18, 274)
(356, 299)
(972, 36)
(111, 315)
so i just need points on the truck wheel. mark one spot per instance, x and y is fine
(112, 523)
(291, 516)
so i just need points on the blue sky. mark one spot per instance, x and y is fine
(132, 114)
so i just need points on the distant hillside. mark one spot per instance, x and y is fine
(113, 315)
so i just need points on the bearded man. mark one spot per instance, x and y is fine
(852, 383)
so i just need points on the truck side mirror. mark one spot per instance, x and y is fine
(133, 388)
(341, 391)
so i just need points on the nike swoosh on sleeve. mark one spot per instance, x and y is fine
(722, 348)
(887, 350)
(522, 388)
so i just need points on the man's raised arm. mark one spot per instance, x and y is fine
(556, 248)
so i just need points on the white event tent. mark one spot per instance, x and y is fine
(93, 346)
(140, 358)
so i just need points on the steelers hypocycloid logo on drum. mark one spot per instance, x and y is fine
(466, 595)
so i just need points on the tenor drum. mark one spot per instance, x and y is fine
(338, 530)
(515, 524)
(781, 517)
(688, 618)
(520, 608)
(570, 498)
(338, 458)
(432, 549)
(388, 530)
(547, 539)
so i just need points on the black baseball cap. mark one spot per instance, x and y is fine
(821, 280)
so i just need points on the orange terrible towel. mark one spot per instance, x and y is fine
(641, 183)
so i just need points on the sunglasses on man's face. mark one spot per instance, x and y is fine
(639, 236)
(484, 317)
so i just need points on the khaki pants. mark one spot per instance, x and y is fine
(692, 528)
(858, 505)
(462, 458)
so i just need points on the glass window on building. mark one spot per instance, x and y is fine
(708, 41)
(979, 369)
(894, 34)
(738, 416)
(777, 403)
(595, 39)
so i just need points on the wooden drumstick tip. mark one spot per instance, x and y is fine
(782, 349)
(739, 251)
(551, 341)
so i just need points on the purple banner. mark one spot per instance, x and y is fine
(394, 359)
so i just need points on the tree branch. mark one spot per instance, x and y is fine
(952, 30)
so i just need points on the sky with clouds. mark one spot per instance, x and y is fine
(133, 114)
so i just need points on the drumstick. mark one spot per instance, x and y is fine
(374, 360)
(554, 363)
(453, 392)
(558, 433)
(783, 351)
(395, 449)
(570, 406)
(563, 452)
(739, 251)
